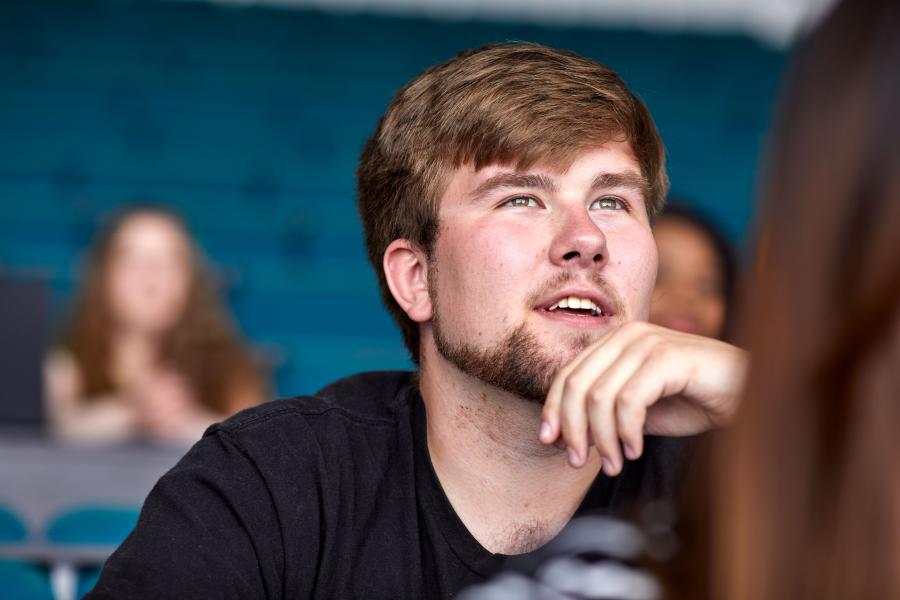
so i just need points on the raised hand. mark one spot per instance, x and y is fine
(641, 378)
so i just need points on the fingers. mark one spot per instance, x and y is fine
(581, 405)
(610, 409)
(550, 416)
(633, 401)
(565, 424)
(611, 392)
(563, 420)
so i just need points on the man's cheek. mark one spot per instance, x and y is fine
(644, 267)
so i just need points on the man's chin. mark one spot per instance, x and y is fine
(561, 352)
(519, 364)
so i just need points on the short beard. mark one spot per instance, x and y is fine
(516, 364)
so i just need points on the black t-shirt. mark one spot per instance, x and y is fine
(328, 496)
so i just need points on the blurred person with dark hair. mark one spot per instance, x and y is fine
(695, 281)
(506, 196)
(149, 352)
(807, 492)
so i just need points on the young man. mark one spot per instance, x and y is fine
(506, 197)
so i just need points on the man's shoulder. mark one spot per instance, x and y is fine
(372, 398)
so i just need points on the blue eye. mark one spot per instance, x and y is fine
(609, 203)
(521, 202)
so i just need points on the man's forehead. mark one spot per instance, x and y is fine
(622, 170)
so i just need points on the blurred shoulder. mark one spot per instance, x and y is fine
(61, 360)
(62, 375)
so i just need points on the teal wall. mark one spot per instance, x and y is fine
(250, 121)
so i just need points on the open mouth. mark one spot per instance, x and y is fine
(573, 305)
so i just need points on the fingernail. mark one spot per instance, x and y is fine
(573, 457)
(630, 453)
(607, 467)
(545, 430)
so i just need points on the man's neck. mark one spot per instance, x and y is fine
(512, 492)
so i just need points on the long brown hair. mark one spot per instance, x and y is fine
(809, 485)
(203, 346)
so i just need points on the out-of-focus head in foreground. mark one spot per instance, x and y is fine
(811, 500)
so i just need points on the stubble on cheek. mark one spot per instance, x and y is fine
(516, 364)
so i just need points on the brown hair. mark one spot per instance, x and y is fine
(509, 103)
(809, 491)
(203, 346)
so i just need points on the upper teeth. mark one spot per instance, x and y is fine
(576, 302)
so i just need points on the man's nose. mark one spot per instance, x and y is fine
(579, 241)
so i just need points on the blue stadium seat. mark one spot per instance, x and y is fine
(23, 581)
(19, 579)
(91, 525)
(87, 579)
(12, 529)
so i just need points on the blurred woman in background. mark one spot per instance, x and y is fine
(149, 352)
(808, 498)
(695, 282)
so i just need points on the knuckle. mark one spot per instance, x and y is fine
(653, 338)
(596, 397)
(662, 349)
(570, 385)
(645, 327)
(575, 383)
(627, 399)
(632, 326)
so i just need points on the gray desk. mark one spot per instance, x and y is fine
(48, 555)
(40, 477)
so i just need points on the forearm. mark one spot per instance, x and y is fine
(101, 420)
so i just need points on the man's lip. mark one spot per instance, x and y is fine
(575, 320)
(596, 297)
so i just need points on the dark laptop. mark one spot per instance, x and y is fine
(24, 317)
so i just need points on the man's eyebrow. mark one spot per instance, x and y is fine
(631, 180)
(515, 180)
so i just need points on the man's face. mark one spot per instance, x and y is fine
(530, 267)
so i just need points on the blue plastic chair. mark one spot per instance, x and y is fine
(87, 579)
(23, 581)
(91, 525)
(12, 529)
(20, 579)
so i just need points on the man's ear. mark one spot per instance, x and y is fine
(406, 272)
